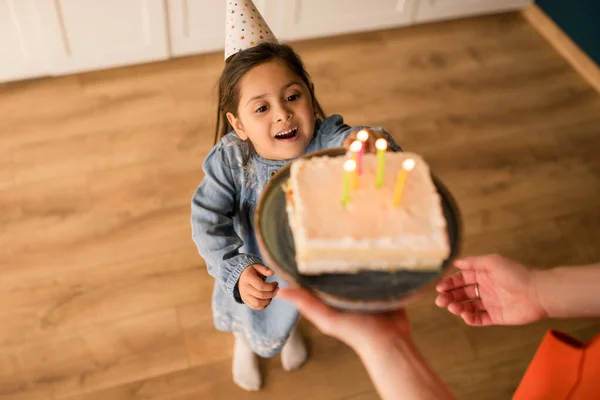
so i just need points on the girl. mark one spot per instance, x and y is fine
(268, 116)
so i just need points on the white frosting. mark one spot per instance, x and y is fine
(334, 265)
(370, 222)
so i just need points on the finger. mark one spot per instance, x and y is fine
(263, 295)
(459, 308)
(256, 304)
(460, 294)
(263, 270)
(479, 318)
(479, 262)
(313, 309)
(257, 283)
(456, 280)
(263, 286)
(455, 296)
(443, 300)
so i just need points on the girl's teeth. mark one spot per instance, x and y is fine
(288, 133)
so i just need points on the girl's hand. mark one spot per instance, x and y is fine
(507, 292)
(255, 292)
(370, 143)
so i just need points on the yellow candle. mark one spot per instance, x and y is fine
(355, 149)
(349, 170)
(407, 165)
(381, 145)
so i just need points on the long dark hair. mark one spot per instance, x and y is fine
(236, 67)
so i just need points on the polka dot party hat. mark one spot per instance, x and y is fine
(245, 27)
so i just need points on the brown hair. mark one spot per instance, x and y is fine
(236, 67)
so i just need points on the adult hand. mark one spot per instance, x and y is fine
(507, 292)
(353, 328)
(383, 343)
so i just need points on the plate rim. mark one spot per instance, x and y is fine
(379, 304)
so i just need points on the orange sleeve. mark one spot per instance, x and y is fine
(562, 369)
(589, 384)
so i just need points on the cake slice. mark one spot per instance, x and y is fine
(369, 232)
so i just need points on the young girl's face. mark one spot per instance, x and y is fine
(275, 111)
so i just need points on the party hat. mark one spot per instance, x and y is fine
(245, 27)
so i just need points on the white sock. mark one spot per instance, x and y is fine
(294, 351)
(246, 373)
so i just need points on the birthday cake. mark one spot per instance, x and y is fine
(386, 217)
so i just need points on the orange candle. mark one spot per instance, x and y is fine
(349, 170)
(407, 166)
(381, 145)
(355, 149)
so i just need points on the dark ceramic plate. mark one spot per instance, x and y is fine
(364, 291)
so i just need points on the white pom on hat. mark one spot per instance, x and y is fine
(244, 27)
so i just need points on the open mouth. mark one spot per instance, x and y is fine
(287, 134)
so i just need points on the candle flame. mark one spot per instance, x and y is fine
(349, 165)
(355, 146)
(408, 164)
(381, 144)
(362, 135)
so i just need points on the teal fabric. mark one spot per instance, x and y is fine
(580, 19)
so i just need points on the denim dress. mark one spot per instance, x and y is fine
(222, 221)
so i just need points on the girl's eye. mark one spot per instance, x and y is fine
(293, 97)
(261, 109)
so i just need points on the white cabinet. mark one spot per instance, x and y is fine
(432, 10)
(84, 35)
(198, 26)
(301, 19)
(21, 54)
(55, 37)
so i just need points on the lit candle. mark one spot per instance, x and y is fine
(362, 136)
(381, 145)
(355, 150)
(407, 165)
(349, 170)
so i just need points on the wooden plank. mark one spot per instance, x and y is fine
(103, 294)
(90, 359)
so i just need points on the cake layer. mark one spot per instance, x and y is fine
(369, 232)
(336, 260)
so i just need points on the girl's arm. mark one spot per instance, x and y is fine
(212, 223)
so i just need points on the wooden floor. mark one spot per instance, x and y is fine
(102, 293)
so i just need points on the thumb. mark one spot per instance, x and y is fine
(463, 263)
(482, 262)
(263, 270)
(471, 262)
(312, 308)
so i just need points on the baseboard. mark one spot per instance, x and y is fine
(582, 63)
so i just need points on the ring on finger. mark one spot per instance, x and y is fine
(477, 295)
